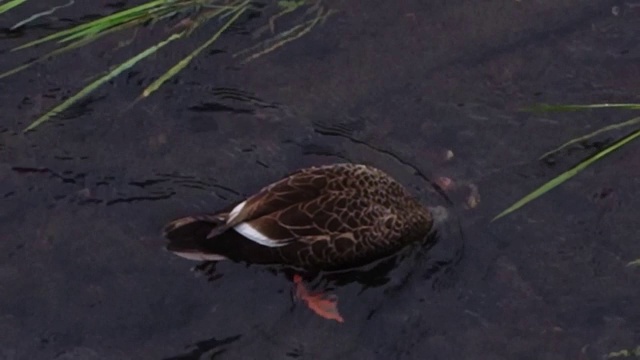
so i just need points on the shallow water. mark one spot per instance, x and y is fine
(84, 197)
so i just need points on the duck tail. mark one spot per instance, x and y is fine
(191, 237)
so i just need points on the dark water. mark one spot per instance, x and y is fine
(83, 273)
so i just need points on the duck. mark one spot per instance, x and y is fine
(321, 218)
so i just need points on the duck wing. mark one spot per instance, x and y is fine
(303, 207)
(329, 216)
(298, 187)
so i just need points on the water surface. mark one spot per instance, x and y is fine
(84, 275)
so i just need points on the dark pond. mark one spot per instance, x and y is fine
(84, 275)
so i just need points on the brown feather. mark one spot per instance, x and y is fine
(324, 217)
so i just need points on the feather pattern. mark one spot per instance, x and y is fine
(326, 217)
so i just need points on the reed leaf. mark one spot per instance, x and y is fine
(621, 125)
(184, 62)
(569, 174)
(549, 107)
(10, 5)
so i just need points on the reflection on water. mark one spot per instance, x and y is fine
(238, 102)
(347, 130)
(102, 190)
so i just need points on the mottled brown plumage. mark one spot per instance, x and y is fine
(322, 218)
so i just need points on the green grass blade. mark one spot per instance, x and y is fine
(184, 62)
(68, 47)
(623, 124)
(118, 20)
(118, 17)
(94, 31)
(19, 68)
(568, 174)
(548, 107)
(10, 5)
(94, 85)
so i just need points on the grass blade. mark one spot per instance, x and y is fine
(117, 20)
(10, 5)
(226, 12)
(548, 107)
(625, 353)
(631, 122)
(118, 17)
(635, 262)
(41, 14)
(68, 47)
(94, 85)
(184, 62)
(20, 68)
(284, 37)
(568, 174)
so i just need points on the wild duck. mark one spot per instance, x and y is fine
(328, 217)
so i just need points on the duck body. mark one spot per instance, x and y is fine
(328, 217)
